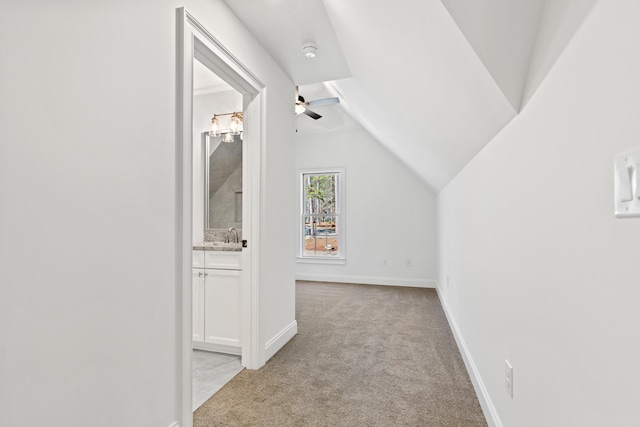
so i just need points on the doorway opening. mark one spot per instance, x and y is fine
(217, 210)
(196, 47)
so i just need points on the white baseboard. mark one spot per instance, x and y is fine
(218, 348)
(277, 342)
(486, 403)
(368, 280)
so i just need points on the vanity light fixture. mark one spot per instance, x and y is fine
(234, 126)
(310, 48)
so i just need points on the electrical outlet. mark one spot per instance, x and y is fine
(385, 262)
(408, 262)
(508, 378)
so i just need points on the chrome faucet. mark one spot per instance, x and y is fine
(232, 232)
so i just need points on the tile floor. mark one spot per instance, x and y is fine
(210, 372)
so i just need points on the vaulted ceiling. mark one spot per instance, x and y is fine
(432, 80)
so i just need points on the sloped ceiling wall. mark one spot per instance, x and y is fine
(503, 39)
(559, 22)
(433, 80)
(417, 84)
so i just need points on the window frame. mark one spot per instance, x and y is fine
(339, 215)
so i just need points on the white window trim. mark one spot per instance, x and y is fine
(342, 258)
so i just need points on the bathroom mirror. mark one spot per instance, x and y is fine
(223, 182)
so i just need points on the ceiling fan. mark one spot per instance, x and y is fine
(301, 105)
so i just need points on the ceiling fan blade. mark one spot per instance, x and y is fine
(314, 116)
(325, 101)
(299, 98)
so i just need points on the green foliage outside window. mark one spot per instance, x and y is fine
(320, 194)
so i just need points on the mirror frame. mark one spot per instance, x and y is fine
(205, 168)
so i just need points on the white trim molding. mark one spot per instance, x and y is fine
(218, 348)
(321, 260)
(489, 410)
(281, 338)
(174, 424)
(340, 215)
(368, 280)
(195, 42)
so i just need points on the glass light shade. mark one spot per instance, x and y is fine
(227, 137)
(215, 131)
(234, 124)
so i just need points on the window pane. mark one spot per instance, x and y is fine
(320, 193)
(320, 235)
(320, 214)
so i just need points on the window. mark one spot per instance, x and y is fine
(322, 215)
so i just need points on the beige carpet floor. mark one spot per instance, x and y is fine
(363, 356)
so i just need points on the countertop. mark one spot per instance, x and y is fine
(217, 246)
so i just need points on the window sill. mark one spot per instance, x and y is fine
(321, 260)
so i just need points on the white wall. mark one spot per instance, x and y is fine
(541, 273)
(390, 212)
(87, 184)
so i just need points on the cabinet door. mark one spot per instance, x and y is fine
(222, 302)
(198, 303)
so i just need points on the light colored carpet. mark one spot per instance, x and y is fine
(363, 356)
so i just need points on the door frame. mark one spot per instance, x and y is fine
(194, 41)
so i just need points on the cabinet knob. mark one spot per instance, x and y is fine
(200, 274)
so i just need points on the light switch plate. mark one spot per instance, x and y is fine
(627, 184)
(508, 378)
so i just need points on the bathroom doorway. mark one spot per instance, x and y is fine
(217, 209)
(198, 47)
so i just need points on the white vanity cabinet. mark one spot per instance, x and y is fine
(216, 301)
(197, 281)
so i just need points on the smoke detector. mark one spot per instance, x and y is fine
(309, 49)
